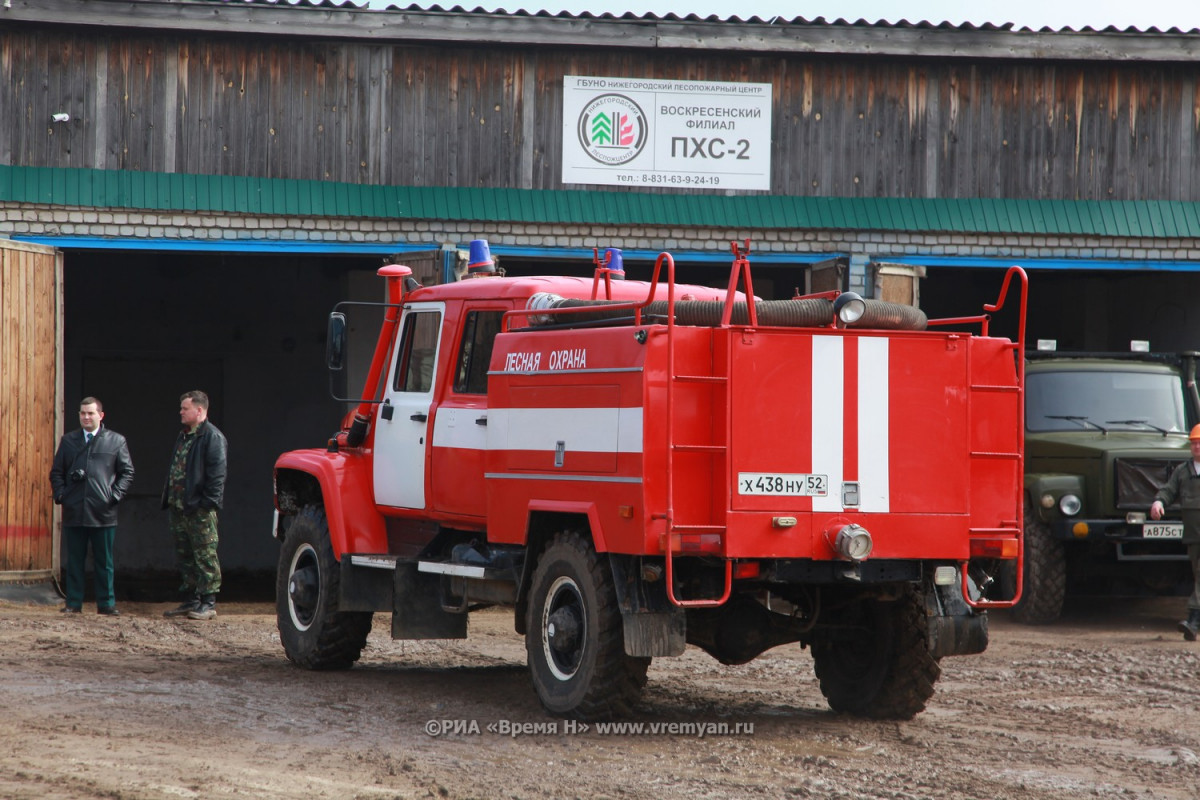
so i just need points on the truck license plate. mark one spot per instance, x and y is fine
(1162, 530)
(796, 484)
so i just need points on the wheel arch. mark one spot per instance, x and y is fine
(342, 487)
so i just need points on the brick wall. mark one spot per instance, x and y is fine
(863, 247)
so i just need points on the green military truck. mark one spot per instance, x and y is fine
(1102, 434)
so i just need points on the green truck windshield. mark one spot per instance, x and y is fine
(1074, 400)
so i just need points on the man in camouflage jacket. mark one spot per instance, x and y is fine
(192, 496)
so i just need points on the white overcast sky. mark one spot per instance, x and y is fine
(1162, 14)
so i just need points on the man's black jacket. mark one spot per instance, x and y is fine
(205, 485)
(91, 501)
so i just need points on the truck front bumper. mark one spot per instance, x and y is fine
(1127, 538)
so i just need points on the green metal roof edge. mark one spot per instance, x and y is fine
(120, 189)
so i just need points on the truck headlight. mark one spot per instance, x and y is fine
(1070, 504)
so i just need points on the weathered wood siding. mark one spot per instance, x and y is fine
(30, 299)
(491, 116)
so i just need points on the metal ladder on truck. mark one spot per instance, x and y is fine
(701, 538)
(990, 542)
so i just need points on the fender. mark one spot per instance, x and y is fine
(573, 507)
(344, 479)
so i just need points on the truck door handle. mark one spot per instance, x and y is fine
(419, 417)
(481, 421)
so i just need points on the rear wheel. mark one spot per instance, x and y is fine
(575, 637)
(875, 661)
(314, 633)
(1045, 585)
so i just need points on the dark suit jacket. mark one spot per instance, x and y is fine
(107, 475)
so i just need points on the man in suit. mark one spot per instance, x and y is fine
(92, 472)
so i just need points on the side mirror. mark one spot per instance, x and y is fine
(335, 342)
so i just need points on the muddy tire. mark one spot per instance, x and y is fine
(875, 662)
(575, 639)
(1045, 574)
(314, 633)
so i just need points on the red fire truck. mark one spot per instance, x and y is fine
(638, 466)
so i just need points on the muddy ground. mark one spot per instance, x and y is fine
(1104, 704)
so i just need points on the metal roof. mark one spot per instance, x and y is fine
(328, 19)
(1157, 219)
(672, 17)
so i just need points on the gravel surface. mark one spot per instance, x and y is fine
(1106, 703)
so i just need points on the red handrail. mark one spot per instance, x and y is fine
(1019, 499)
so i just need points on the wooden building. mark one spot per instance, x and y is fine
(216, 175)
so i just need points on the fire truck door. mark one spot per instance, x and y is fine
(403, 421)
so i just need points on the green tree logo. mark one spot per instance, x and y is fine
(612, 129)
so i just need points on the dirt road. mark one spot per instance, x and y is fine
(1105, 704)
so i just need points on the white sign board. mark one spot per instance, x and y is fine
(637, 132)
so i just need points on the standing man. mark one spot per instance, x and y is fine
(92, 471)
(1184, 486)
(193, 495)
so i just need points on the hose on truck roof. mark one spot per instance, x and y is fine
(797, 313)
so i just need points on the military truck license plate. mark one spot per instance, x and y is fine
(1162, 530)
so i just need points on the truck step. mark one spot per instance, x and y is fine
(477, 562)
(374, 562)
(462, 570)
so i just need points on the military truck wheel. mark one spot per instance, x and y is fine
(574, 636)
(314, 633)
(875, 661)
(1045, 584)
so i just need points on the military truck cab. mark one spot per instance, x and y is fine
(1103, 433)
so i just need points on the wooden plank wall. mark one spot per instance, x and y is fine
(30, 337)
(406, 114)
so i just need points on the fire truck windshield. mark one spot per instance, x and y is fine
(1073, 400)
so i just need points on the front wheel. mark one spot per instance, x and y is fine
(875, 662)
(575, 638)
(1045, 585)
(314, 633)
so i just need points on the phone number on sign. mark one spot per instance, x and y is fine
(676, 180)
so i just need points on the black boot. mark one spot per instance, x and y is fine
(1190, 627)
(207, 608)
(190, 603)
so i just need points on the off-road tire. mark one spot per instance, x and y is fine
(314, 633)
(1045, 585)
(590, 677)
(876, 662)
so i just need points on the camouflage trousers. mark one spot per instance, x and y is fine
(196, 551)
